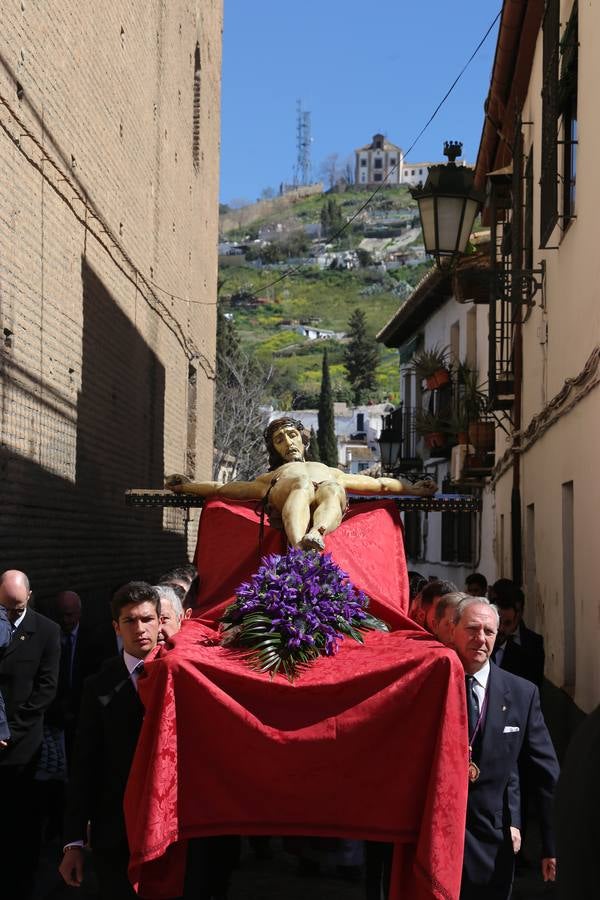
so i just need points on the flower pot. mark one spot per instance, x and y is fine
(482, 435)
(435, 439)
(462, 437)
(438, 379)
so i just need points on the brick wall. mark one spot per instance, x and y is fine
(101, 206)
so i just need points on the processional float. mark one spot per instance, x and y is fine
(368, 743)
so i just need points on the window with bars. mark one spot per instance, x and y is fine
(567, 100)
(196, 110)
(550, 116)
(528, 215)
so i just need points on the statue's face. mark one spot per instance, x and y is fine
(287, 442)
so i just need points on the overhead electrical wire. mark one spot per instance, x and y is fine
(298, 268)
(294, 269)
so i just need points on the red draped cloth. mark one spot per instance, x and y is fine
(370, 743)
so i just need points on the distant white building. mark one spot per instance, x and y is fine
(415, 174)
(377, 162)
(319, 334)
(382, 161)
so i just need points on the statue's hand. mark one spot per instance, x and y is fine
(424, 488)
(177, 483)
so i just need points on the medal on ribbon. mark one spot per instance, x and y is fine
(474, 770)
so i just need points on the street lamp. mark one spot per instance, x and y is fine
(389, 445)
(448, 204)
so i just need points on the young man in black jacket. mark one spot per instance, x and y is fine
(110, 720)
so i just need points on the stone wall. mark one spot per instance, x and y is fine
(109, 141)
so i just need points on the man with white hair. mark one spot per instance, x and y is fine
(443, 617)
(171, 612)
(505, 724)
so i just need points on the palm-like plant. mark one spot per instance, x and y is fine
(471, 398)
(433, 365)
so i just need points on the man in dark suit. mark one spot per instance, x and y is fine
(505, 725)
(518, 649)
(110, 719)
(83, 651)
(28, 679)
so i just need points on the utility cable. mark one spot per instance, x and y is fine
(293, 270)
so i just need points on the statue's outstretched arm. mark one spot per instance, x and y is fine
(364, 484)
(232, 490)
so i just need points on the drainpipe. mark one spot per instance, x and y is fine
(517, 316)
(515, 500)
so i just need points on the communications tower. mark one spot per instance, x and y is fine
(302, 172)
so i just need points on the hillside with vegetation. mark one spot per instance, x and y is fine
(371, 266)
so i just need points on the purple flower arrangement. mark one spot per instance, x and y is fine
(296, 608)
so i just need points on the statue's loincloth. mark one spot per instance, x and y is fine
(275, 515)
(318, 484)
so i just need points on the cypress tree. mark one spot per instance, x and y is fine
(361, 358)
(331, 217)
(228, 351)
(328, 450)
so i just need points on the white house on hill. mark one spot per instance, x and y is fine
(377, 162)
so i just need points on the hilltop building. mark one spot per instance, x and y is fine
(382, 161)
(378, 161)
(108, 227)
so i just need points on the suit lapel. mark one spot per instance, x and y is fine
(116, 685)
(510, 651)
(498, 707)
(22, 635)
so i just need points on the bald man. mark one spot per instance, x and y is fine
(28, 680)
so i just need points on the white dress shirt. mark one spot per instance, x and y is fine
(480, 683)
(18, 621)
(133, 665)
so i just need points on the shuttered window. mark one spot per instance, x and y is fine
(549, 152)
(458, 531)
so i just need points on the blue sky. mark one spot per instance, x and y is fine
(359, 67)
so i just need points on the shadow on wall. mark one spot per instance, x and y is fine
(80, 534)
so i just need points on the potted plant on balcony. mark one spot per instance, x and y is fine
(472, 402)
(431, 428)
(458, 424)
(433, 366)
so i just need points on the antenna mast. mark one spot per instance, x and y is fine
(303, 167)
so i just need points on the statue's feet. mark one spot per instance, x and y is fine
(312, 540)
(424, 488)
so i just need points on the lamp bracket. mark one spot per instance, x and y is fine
(530, 281)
